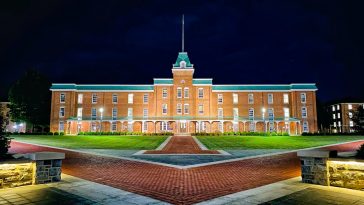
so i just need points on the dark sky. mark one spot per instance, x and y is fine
(233, 42)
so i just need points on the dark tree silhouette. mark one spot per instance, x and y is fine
(30, 100)
(358, 119)
(4, 137)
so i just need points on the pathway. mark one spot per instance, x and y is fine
(179, 186)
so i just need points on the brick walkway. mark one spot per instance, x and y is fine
(179, 186)
(182, 145)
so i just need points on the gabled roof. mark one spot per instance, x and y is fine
(182, 56)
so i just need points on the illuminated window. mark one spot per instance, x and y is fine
(187, 93)
(179, 108)
(61, 112)
(350, 115)
(114, 98)
(334, 124)
(338, 107)
(145, 98)
(130, 112)
(200, 93)
(164, 93)
(251, 98)
(338, 115)
(304, 112)
(350, 106)
(270, 98)
(305, 126)
(94, 98)
(130, 98)
(114, 114)
(333, 116)
(79, 113)
(236, 113)
(303, 97)
(286, 113)
(145, 112)
(80, 98)
(61, 126)
(200, 108)
(187, 108)
(220, 113)
(351, 123)
(235, 98)
(164, 109)
(339, 123)
(93, 114)
(62, 98)
(333, 108)
(285, 98)
(270, 114)
(219, 98)
(179, 92)
(251, 113)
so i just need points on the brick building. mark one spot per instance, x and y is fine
(183, 104)
(342, 114)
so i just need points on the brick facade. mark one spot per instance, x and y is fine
(341, 117)
(300, 96)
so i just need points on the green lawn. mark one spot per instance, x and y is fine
(94, 142)
(272, 142)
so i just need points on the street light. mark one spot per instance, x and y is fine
(101, 112)
(263, 117)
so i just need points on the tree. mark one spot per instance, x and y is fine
(323, 117)
(358, 119)
(30, 100)
(4, 137)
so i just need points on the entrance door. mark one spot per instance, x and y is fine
(182, 126)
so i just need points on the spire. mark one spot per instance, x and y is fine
(183, 32)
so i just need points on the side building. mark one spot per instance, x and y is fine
(183, 104)
(342, 117)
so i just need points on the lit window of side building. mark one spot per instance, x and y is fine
(184, 104)
(342, 114)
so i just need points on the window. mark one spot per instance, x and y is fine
(145, 126)
(200, 109)
(270, 114)
(270, 98)
(200, 93)
(164, 93)
(351, 123)
(350, 106)
(187, 93)
(338, 107)
(334, 124)
(286, 113)
(113, 126)
(251, 98)
(93, 114)
(333, 116)
(61, 126)
(304, 112)
(221, 127)
(145, 98)
(251, 113)
(338, 116)
(179, 92)
(350, 115)
(164, 109)
(220, 113)
(79, 113)
(251, 126)
(114, 114)
(305, 126)
(203, 126)
(61, 112)
(339, 123)
(333, 108)
(94, 98)
(285, 98)
(303, 97)
(80, 98)
(179, 108)
(145, 112)
(187, 108)
(130, 112)
(130, 98)
(219, 98)
(93, 126)
(235, 98)
(114, 98)
(236, 113)
(62, 98)
(164, 126)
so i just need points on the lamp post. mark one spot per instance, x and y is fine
(101, 115)
(263, 117)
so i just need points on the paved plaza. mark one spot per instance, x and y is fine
(182, 185)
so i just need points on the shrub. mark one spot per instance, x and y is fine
(360, 152)
(4, 144)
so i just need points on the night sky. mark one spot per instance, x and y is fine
(233, 42)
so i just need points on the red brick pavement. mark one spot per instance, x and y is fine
(182, 145)
(179, 186)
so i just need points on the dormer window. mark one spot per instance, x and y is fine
(182, 64)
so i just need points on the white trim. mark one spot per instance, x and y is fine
(215, 91)
(163, 84)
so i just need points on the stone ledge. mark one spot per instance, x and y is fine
(317, 153)
(45, 155)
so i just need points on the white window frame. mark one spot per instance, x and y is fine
(145, 127)
(94, 98)
(114, 126)
(130, 98)
(303, 98)
(146, 98)
(114, 98)
(286, 113)
(164, 93)
(251, 113)
(145, 112)
(351, 123)
(270, 98)
(304, 112)
(80, 98)
(93, 113)
(333, 116)
(164, 109)
(339, 123)
(200, 93)
(250, 98)
(338, 107)
(220, 113)
(79, 113)
(200, 111)
(235, 98)
(61, 126)
(220, 98)
(62, 98)
(350, 115)
(350, 106)
(62, 111)
(179, 92)
(334, 124)
(305, 127)
(270, 113)
(114, 113)
(179, 108)
(186, 93)
(338, 115)
(333, 108)
(130, 112)
(187, 108)
(236, 113)
(285, 98)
